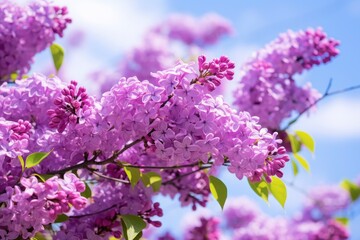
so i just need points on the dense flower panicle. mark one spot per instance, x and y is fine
(72, 107)
(183, 123)
(208, 229)
(29, 99)
(267, 88)
(110, 199)
(26, 31)
(294, 52)
(14, 137)
(14, 141)
(33, 204)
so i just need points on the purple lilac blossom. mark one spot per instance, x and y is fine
(25, 31)
(173, 121)
(32, 204)
(267, 87)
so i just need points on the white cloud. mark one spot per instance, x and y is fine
(338, 118)
(114, 25)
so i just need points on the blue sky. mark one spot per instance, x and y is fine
(112, 27)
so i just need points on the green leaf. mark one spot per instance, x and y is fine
(343, 220)
(152, 179)
(133, 174)
(261, 189)
(132, 226)
(219, 190)
(302, 162)
(61, 218)
(35, 158)
(22, 162)
(307, 140)
(352, 188)
(38, 236)
(295, 168)
(57, 53)
(278, 190)
(295, 144)
(87, 193)
(43, 177)
(14, 76)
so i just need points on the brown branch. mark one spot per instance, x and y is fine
(107, 177)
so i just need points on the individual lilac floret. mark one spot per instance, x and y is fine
(211, 73)
(72, 107)
(267, 87)
(25, 31)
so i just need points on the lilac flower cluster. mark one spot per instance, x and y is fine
(26, 31)
(267, 87)
(211, 73)
(71, 108)
(100, 220)
(14, 141)
(183, 123)
(27, 207)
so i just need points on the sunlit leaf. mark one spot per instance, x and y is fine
(35, 158)
(278, 190)
(307, 140)
(38, 236)
(218, 189)
(261, 189)
(302, 161)
(132, 226)
(295, 167)
(352, 188)
(87, 193)
(61, 218)
(133, 174)
(343, 220)
(57, 53)
(295, 144)
(152, 179)
(22, 162)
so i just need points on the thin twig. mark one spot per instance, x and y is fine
(326, 94)
(162, 167)
(186, 174)
(94, 213)
(107, 177)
